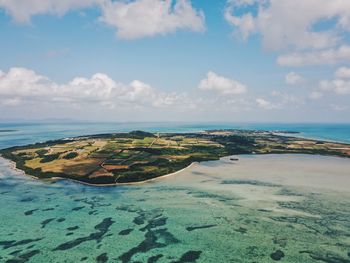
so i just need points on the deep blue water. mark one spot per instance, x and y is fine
(26, 133)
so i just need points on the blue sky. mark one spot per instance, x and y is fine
(155, 60)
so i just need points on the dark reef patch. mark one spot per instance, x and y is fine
(191, 228)
(102, 228)
(250, 182)
(78, 208)
(154, 238)
(125, 232)
(155, 222)
(45, 222)
(264, 210)
(189, 256)
(103, 258)
(155, 258)
(72, 228)
(30, 212)
(13, 243)
(48, 209)
(241, 230)
(140, 219)
(93, 202)
(15, 252)
(218, 197)
(277, 255)
(27, 199)
(93, 212)
(288, 192)
(125, 208)
(23, 257)
(142, 216)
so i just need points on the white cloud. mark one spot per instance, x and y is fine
(318, 57)
(290, 23)
(23, 10)
(342, 73)
(10, 101)
(132, 19)
(285, 98)
(337, 86)
(280, 100)
(315, 95)
(21, 84)
(340, 85)
(245, 24)
(222, 85)
(293, 78)
(145, 18)
(312, 32)
(337, 107)
(24, 82)
(265, 104)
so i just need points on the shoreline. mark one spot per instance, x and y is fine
(13, 166)
(301, 135)
(290, 145)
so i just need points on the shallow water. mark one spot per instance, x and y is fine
(255, 210)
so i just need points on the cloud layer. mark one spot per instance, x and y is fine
(290, 23)
(145, 18)
(316, 57)
(293, 78)
(21, 84)
(22, 11)
(312, 32)
(131, 19)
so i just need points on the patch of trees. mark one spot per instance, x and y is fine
(70, 155)
(49, 158)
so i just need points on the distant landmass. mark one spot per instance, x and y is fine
(139, 156)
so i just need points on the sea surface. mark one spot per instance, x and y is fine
(287, 208)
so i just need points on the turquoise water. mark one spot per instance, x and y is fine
(205, 214)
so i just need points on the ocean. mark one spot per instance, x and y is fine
(288, 208)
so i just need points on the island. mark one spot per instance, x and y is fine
(138, 156)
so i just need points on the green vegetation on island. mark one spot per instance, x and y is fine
(139, 156)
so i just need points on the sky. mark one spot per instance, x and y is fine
(175, 60)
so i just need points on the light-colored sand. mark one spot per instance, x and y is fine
(323, 172)
(300, 173)
(298, 170)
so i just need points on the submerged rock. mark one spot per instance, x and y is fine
(277, 255)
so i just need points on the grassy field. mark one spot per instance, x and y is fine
(139, 156)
